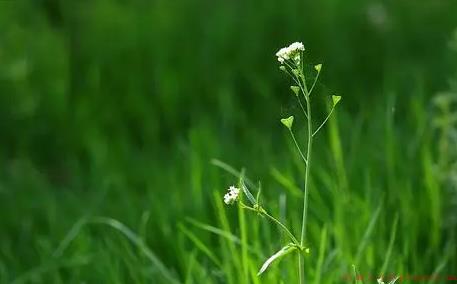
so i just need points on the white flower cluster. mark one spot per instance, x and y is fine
(232, 195)
(290, 52)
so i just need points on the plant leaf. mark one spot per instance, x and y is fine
(281, 253)
(257, 198)
(247, 192)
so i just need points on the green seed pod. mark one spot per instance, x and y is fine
(336, 99)
(288, 122)
(295, 89)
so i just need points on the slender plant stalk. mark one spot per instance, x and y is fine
(282, 226)
(274, 220)
(298, 147)
(291, 59)
(305, 197)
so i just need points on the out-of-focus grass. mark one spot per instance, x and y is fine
(116, 109)
(36, 216)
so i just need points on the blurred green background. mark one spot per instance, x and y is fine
(116, 108)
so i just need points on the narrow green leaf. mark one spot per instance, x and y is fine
(200, 244)
(281, 253)
(367, 234)
(390, 247)
(247, 192)
(126, 232)
(285, 181)
(257, 198)
(231, 170)
(320, 260)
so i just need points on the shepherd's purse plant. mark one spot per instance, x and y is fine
(291, 61)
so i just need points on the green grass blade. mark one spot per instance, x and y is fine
(390, 247)
(231, 170)
(129, 234)
(367, 234)
(320, 259)
(200, 245)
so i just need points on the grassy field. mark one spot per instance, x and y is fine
(117, 119)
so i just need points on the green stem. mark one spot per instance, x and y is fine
(328, 116)
(305, 198)
(292, 237)
(301, 106)
(298, 147)
(262, 211)
(314, 83)
(306, 94)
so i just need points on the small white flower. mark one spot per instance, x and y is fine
(292, 51)
(380, 281)
(283, 54)
(296, 46)
(232, 195)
